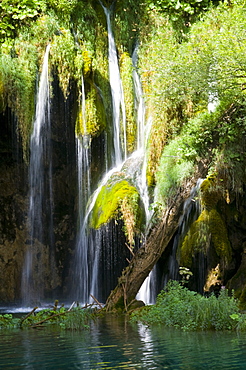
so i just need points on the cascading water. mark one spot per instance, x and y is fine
(40, 196)
(84, 192)
(120, 152)
(93, 249)
(142, 136)
(87, 253)
(147, 291)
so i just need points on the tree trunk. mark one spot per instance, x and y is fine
(146, 257)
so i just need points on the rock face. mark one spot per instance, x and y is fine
(14, 201)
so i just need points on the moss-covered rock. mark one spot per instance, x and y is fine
(209, 191)
(117, 200)
(208, 230)
(237, 282)
(108, 202)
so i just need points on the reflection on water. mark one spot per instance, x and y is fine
(112, 343)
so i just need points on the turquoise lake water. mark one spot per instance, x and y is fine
(113, 343)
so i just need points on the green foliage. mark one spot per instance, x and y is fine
(179, 307)
(18, 83)
(175, 167)
(16, 13)
(93, 120)
(8, 321)
(75, 319)
(127, 23)
(179, 80)
(181, 13)
(63, 55)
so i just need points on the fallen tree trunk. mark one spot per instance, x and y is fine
(147, 256)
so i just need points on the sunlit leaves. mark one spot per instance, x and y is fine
(14, 13)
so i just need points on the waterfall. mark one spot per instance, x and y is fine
(147, 291)
(84, 192)
(93, 246)
(142, 136)
(118, 103)
(213, 98)
(87, 250)
(40, 219)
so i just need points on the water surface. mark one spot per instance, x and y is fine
(112, 343)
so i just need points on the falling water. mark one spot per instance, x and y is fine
(213, 98)
(147, 291)
(87, 254)
(84, 191)
(142, 137)
(88, 251)
(117, 96)
(139, 102)
(40, 195)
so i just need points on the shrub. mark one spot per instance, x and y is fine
(181, 308)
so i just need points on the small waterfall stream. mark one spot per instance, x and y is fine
(120, 152)
(40, 219)
(84, 192)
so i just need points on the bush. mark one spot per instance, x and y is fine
(181, 308)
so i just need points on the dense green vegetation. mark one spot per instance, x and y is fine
(179, 307)
(179, 76)
(180, 80)
(63, 318)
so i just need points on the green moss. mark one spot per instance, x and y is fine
(108, 202)
(94, 116)
(242, 298)
(219, 236)
(87, 63)
(126, 69)
(196, 240)
(62, 56)
(208, 228)
(210, 193)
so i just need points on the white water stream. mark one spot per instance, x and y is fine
(40, 157)
(119, 115)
